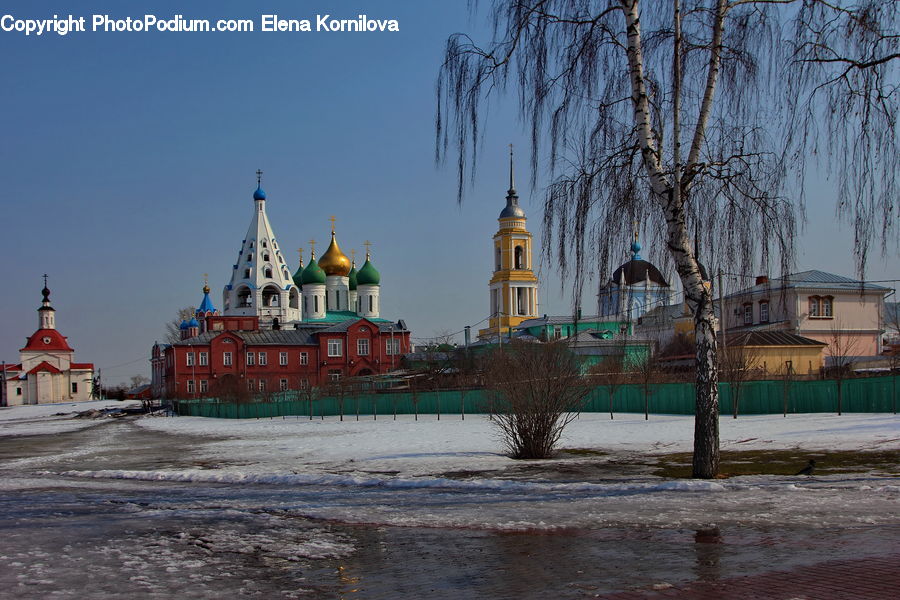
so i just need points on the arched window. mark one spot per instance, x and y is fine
(498, 259)
(519, 257)
(266, 256)
(827, 306)
(268, 272)
(246, 273)
(748, 314)
(764, 311)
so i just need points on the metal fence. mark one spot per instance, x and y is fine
(864, 395)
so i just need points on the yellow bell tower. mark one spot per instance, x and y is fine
(513, 288)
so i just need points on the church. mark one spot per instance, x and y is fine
(279, 331)
(47, 372)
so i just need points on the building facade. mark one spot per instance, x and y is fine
(813, 304)
(47, 372)
(634, 289)
(279, 331)
(513, 288)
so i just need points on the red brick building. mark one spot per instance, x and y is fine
(263, 361)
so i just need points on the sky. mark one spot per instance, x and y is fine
(128, 163)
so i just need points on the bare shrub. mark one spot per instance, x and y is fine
(537, 390)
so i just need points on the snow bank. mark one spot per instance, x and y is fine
(47, 419)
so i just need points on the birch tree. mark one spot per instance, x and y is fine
(695, 118)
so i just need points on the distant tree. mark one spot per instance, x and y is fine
(537, 391)
(138, 380)
(611, 373)
(738, 364)
(229, 388)
(173, 331)
(841, 350)
(645, 373)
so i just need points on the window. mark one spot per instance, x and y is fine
(190, 359)
(262, 385)
(497, 261)
(519, 258)
(748, 314)
(392, 347)
(362, 347)
(74, 387)
(304, 384)
(204, 386)
(335, 348)
(18, 391)
(370, 303)
(557, 332)
(334, 374)
(827, 306)
(304, 358)
(763, 312)
(266, 256)
(226, 359)
(282, 384)
(246, 273)
(316, 302)
(204, 359)
(190, 386)
(814, 306)
(263, 359)
(264, 245)
(268, 273)
(251, 385)
(251, 358)
(283, 359)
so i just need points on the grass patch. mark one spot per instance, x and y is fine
(582, 452)
(784, 462)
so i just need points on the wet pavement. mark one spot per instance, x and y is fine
(65, 537)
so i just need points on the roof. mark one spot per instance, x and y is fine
(82, 366)
(813, 278)
(563, 320)
(638, 270)
(770, 338)
(44, 366)
(265, 337)
(382, 325)
(46, 339)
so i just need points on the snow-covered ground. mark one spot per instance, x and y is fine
(425, 447)
(40, 419)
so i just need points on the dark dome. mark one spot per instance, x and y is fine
(637, 271)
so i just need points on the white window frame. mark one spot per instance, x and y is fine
(283, 384)
(204, 359)
(304, 358)
(392, 349)
(764, 311)
(335, 348)
(262, 385)
(251, 359)
(190, 386)
(226, 359)
(748, 314)
(204, 386)
(263, 359)
(283, 359)
(189, 359)
(362, 346)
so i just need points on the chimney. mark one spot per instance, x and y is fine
(761, 279)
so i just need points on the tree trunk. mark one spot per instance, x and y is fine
(706, 420)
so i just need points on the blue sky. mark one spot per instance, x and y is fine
(128, 163)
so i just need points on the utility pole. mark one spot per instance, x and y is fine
(721, 314)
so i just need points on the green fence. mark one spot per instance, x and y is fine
(871, 394)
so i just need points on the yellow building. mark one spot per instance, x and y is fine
(513, 287)
(777, 352)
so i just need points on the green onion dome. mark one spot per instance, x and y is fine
(298, 276)
(367, 275)
(351, 276)
(313, 273)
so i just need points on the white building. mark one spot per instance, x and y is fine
(46, 372)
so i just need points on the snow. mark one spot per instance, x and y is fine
(41, 419)
(425, 447)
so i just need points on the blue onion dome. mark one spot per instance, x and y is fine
(313, 273)
(184, 324)
(193, 323)
(206, 306)
(367, 275)
(636, 248)
(259, 194)
(351, 276)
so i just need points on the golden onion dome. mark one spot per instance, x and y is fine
(334, 262)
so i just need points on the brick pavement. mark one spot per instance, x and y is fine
(875, 578)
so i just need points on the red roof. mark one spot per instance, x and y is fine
(12, 368)
(44, 366)
(46, 339)
(87, 366)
